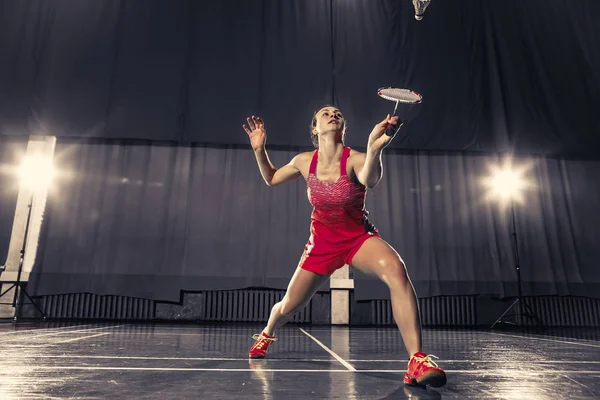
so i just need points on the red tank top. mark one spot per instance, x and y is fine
(339, 213)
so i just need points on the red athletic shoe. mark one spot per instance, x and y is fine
(259, 349)
(422, 370)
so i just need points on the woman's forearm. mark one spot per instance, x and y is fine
(267, 169)
(372, 169)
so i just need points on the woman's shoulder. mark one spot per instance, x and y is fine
(306, 154)
(356, 155)
(303, 158)
(355, 152)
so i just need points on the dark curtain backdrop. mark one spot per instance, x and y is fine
(456, 239)
(11, 151)
(148, 220)
(492, 73)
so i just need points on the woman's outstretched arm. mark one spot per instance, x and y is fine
(258, 137)
(369, 169)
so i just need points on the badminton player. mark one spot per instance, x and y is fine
(340, 232)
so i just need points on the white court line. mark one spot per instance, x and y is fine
(194, 334)
(573, 380)
(270, 359)
(206, 327)
(542, 338)
(486, 361)
(43, 329)
(171, 358)
(492, 372)
(87, 368)
(456, 371)
(61, 333)
(83, 337)
(340, 359)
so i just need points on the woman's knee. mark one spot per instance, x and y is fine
(288, 307)
(393, 272)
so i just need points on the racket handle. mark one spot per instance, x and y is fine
(391, 130)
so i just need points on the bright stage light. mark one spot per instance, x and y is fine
(506, 183)
(36, 172)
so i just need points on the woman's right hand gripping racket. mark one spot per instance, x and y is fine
(398, 95)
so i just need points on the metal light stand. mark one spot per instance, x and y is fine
(520, 301)
(18, 284)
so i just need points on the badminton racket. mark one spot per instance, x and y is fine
(398, 95)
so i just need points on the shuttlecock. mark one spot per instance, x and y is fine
(420, 7)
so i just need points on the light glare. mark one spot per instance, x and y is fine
(36, 172)
(506, 183)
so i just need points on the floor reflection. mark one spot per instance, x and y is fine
(174, 361)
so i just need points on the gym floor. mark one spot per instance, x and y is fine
(181, 361)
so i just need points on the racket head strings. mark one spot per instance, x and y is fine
(400, 95)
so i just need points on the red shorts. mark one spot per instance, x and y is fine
(323, 258)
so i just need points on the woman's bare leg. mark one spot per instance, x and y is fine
(303, 285)
(377, 257)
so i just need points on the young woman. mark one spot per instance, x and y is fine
(340, 233)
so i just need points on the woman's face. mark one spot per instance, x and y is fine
(328, 119)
